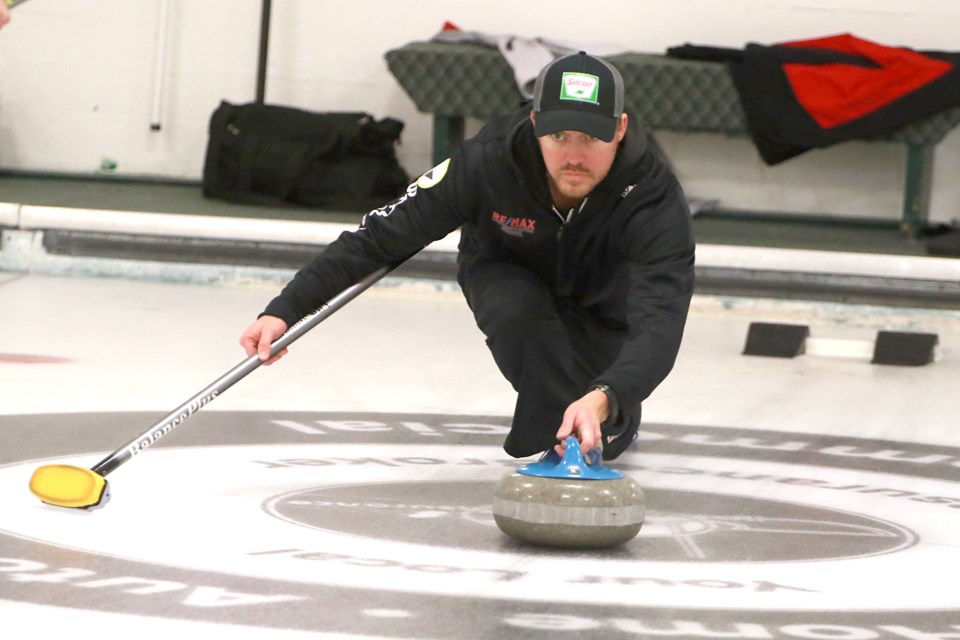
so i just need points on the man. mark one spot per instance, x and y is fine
(576, 258)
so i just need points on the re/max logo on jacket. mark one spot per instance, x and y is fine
(514, 226)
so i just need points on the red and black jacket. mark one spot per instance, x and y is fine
(814, 93)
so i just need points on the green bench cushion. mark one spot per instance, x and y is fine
(669, 94)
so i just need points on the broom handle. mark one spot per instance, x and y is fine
(212, 391)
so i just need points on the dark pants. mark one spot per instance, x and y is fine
(550, 350)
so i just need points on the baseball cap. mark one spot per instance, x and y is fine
(578, 93)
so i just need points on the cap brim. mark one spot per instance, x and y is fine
(593, 124)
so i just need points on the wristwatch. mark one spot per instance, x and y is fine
(612, 404)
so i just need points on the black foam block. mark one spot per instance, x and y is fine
(776, 340)
(904, 348)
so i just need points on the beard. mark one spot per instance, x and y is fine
(574, 181)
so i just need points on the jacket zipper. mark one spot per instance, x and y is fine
(559, 237)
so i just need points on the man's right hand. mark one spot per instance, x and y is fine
(260, 335)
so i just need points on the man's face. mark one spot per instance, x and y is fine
(577, 162)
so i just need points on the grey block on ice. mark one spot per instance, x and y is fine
(571, 513)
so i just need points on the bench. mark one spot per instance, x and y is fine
(458, 81)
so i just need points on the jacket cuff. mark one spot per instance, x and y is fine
(280, 309)
(612, 403)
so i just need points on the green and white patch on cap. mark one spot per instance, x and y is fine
(582, 87)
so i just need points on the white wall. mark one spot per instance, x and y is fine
(77, 81)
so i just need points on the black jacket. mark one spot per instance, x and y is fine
(627, 256)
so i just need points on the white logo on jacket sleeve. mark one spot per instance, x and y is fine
(427, 180)
(434, 176)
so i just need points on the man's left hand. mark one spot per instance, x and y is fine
(583, 419)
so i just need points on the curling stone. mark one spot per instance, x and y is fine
(569, 502)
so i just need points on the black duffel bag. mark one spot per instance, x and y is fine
(269, 154)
